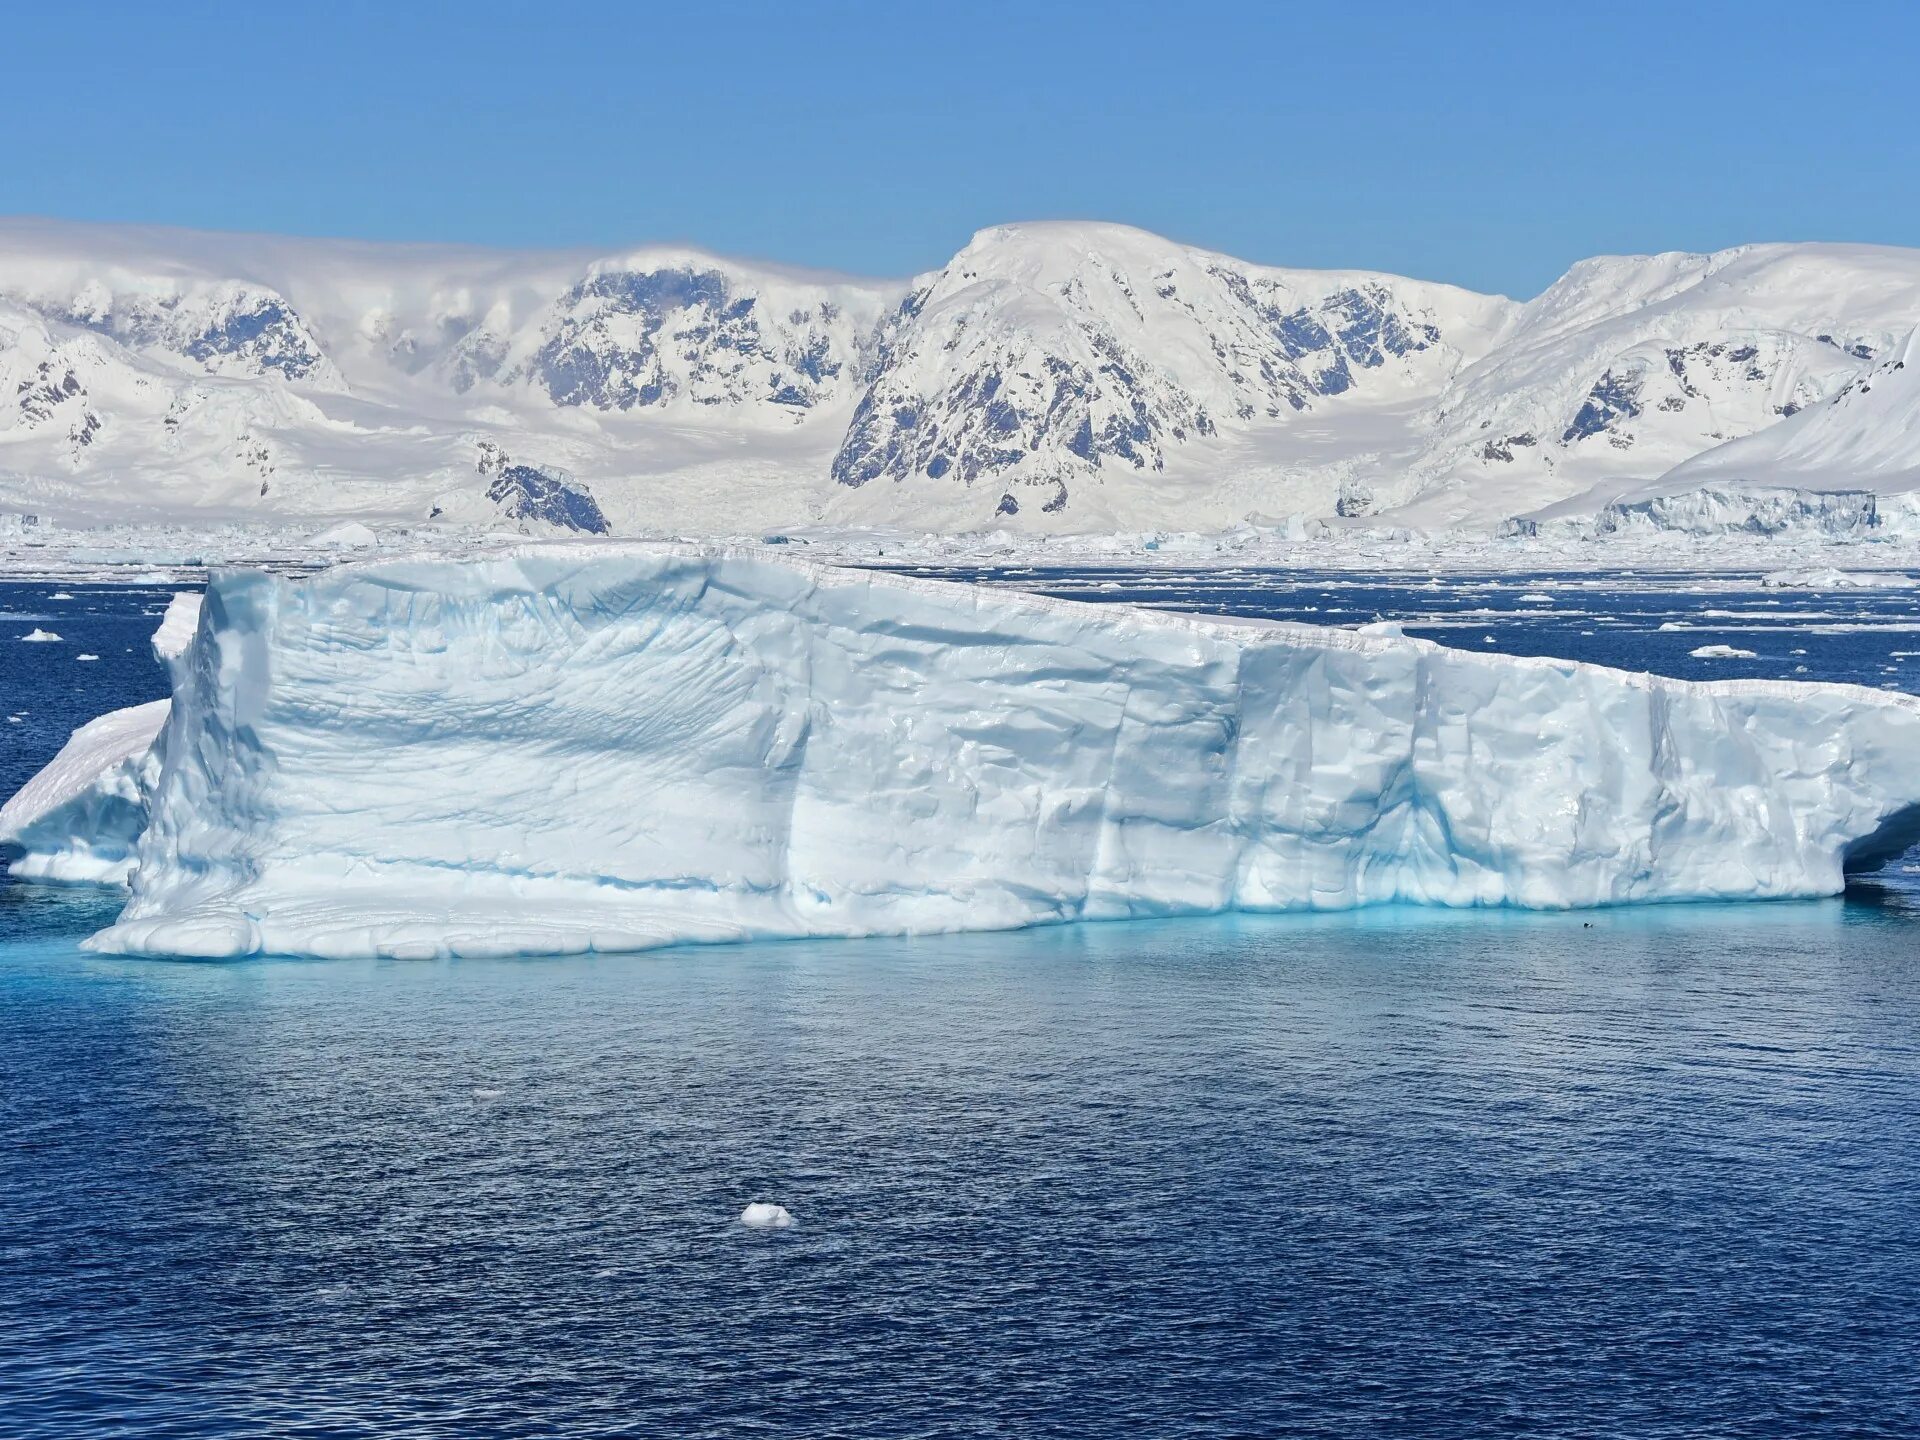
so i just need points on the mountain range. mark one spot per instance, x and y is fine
(1056, 376)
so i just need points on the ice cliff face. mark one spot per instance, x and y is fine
(1050, 377)
(558, 749)
(80, 818)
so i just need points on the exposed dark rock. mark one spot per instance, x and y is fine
(695, 335)
(1613, 400)
(544, 494)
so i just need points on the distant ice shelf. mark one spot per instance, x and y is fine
(611, 747)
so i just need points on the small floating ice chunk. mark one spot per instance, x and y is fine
(60, 595)
(1537, 598)
(86, 657)
(1722, 652)
(762, 1216)
(38, 636)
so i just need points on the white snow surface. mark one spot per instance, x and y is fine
(1850, 463)
(1051, 378)
(1628, 366)
(566, 748)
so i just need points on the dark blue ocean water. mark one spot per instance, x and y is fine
(1639, 1172)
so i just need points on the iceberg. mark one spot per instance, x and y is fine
(762, 1216)
(79, 819)
(612, 746)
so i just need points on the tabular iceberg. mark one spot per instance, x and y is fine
(561, 748)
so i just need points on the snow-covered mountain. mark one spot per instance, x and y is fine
(1846, 465)
(237, 375)
(1628, 366)
(1054, 365)
(1057, 377)
(1865, 436)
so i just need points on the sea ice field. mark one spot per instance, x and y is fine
(1639, 1170)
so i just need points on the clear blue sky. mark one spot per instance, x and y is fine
(1484, 143)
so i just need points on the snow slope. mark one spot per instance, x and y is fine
(1846, 466)
(1056, 377)
(1086, 376)
(609, 747)
(1629, 366)
(388, 382)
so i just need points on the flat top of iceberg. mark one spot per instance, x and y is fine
(404, 573)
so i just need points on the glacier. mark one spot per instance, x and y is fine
(1846, 467)
(565, 747)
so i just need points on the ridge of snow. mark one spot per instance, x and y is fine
(1628, 366)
